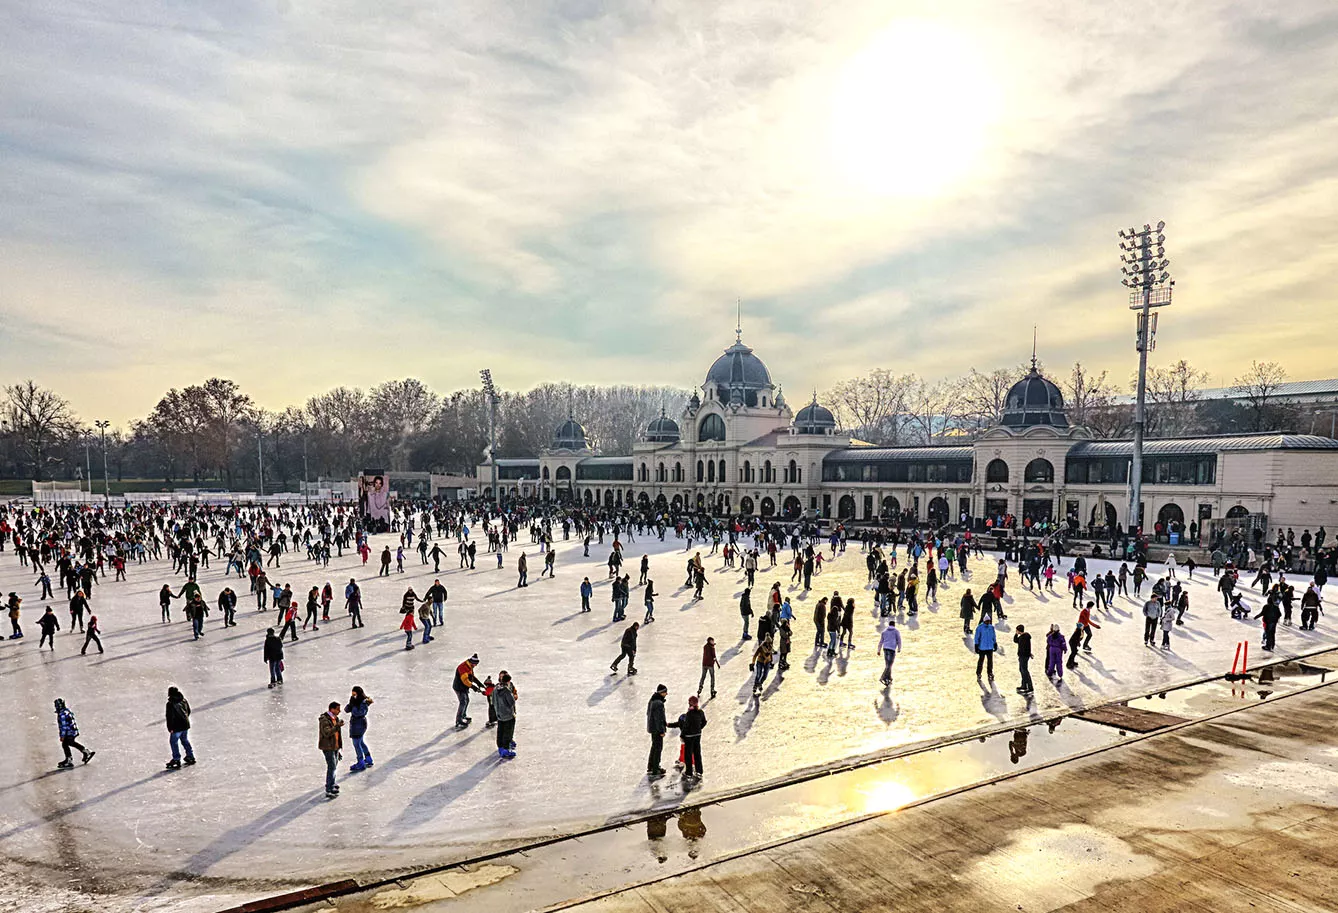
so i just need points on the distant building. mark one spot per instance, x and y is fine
(737, 448)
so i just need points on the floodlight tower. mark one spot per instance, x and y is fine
(103, 425)
(491, 393)
(1143, 256)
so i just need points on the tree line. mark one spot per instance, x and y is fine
(215, 434)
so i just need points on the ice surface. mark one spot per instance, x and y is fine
(253, 810)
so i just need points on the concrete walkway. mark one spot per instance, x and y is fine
(1237, 813)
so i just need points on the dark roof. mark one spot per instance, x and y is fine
(524, 462)
(814, 417)
(570, 435)
(739, 367)
(1034, 400)
(662, 430)
(1228, 443)
(880, 454)
(605, 461)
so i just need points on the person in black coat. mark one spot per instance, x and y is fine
(656, 726)
(1271, 614)
(274, 657)
(628, 650)
(178, 724)
(690, 726)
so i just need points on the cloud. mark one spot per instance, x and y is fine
(300, 195)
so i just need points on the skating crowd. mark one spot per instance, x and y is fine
(82, 545)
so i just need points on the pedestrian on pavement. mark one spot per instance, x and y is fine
(274, 657)
(356, 708)
(178, 725)
(628, 650)
(709, 665)
(656, 726)
(69, 735)
(330, 741)
(889, 642)
(504, 708)
(1022, 640)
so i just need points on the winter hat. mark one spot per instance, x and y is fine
(474, 659)
(692, 701)
(661, 689)
(60, 703)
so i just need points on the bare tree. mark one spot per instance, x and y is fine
(1257, 385)
(932, 410)
(1172, 394)
(1089, 397)
(40, 419)
(981, 397)
(873, 407)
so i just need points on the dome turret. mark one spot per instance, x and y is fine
(663, 430)
(814, 419)
(1034, 400)
(570, 435)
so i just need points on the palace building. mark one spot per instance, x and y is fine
(738, 448)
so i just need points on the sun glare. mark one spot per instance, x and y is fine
(912, 111)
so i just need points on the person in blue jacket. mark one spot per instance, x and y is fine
(356, 708)
(985, 642)
(586, 592)
(69, 735)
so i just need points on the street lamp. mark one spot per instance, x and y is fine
(491, 392)
(1144, 266)
(103, 425)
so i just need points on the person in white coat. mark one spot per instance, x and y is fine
(1170, 565)
(889, 642)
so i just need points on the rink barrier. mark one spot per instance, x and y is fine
(331, 890)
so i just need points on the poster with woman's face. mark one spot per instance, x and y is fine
(376, 496)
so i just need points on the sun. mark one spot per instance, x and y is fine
(912, 111)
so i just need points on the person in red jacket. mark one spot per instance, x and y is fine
(1085, 619)
(709, 665)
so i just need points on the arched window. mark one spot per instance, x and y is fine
(1039, 470)
(701, 471)
(659, 472)
(767, 475)
(563, 474)
(710, 470)
(996, 471)
(721, 474)
(747, 475)
(545, 473)
(678, 472)
(712, 428)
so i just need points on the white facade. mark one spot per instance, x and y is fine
(737, 448)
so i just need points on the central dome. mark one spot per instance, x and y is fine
(739, 366)
(1034, 400)
(570, 435)
(738, 376)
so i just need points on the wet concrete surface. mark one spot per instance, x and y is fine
(683, 839)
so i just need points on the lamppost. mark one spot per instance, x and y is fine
(1144, 266)
(102, 426)
(260, 460)
(491, 393)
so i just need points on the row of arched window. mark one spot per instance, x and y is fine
(1038, 470)
(714, 471)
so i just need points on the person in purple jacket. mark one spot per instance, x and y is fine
(1054, 654)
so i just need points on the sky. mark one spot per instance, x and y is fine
(298, 195)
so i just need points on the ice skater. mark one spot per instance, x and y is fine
(889, 642)
(628, 646)
(709, 665)
(690, 725)
(49, 624)
(178, 727)
(330, 741)
(274, 657)
(69, 735)
(91, 637)
(356, 708)
(503, 706)
(463, 683)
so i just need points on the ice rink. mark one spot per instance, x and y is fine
(252, 813)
